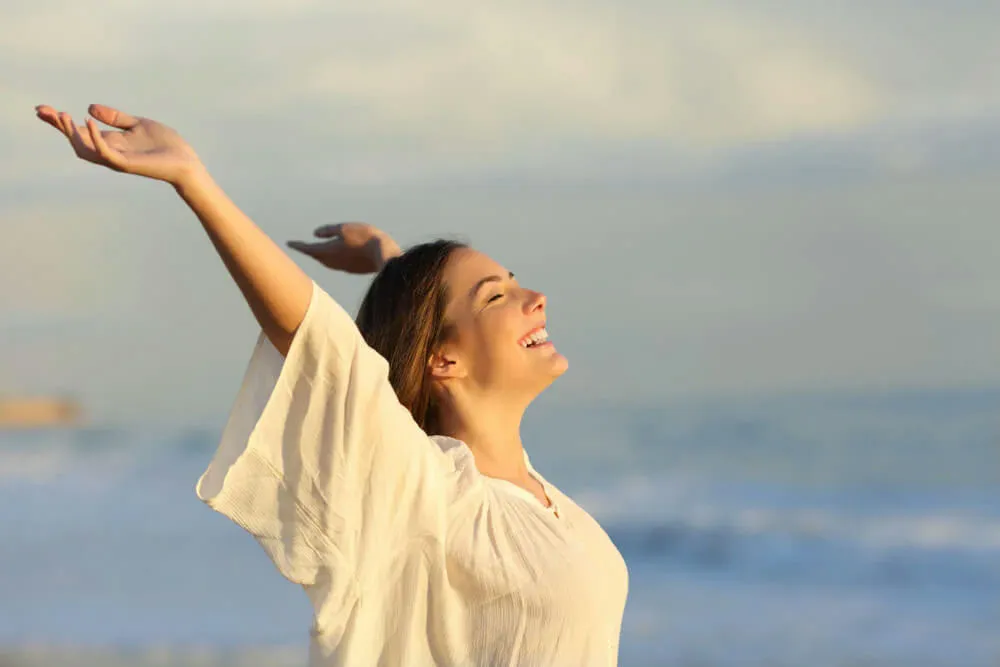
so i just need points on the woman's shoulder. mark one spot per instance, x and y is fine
(467, 474)
(456, 450)
(451, 445)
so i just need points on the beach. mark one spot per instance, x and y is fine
(832, 531)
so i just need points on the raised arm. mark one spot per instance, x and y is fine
(276, 289)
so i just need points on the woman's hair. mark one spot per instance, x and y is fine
(402, 318)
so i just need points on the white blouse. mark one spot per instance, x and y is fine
(409, 555)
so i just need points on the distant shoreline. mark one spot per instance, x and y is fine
(25, 412)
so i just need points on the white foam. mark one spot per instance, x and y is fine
(686, 499)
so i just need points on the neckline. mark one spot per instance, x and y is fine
(553, 507)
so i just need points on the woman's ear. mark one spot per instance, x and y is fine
(444, 366)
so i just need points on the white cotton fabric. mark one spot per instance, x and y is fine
(407, 553)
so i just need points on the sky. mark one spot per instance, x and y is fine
(718, 198)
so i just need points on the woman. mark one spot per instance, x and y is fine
(448, 549)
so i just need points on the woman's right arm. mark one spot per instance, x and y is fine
(276, 289)
(318, 460)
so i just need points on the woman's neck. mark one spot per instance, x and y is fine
(494, 437)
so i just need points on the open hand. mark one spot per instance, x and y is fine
(142, 147)
(353, 247)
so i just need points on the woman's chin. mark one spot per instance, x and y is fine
(556, 365)
(560, 364)
(552, 374)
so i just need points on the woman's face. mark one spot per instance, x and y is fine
(498, 342)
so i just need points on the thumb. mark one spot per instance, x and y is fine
(113, 117)
(326, 231)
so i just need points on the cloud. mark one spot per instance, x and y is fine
(397, 91)
(458, 78)
(502, 77)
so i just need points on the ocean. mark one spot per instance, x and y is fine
(816, 529)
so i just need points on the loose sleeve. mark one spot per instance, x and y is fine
(321, 463)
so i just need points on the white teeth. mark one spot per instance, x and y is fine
(539, 336)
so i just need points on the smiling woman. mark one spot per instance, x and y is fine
(379, 463)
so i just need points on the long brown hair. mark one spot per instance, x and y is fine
(402, 318)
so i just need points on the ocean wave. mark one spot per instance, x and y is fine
(101, 454)
(681, 521)
(74, 481)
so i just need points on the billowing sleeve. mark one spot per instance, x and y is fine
(321, 463)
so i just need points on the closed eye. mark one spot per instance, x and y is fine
(494, 297)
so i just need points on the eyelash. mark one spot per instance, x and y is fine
(494, 297)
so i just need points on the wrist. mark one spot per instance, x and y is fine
(192, 178)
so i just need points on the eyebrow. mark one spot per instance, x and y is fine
(489, 279)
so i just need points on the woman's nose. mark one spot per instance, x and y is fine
(536, 301)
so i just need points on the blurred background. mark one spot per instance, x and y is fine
(768, 232)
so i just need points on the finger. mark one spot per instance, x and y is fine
(326, 231)
(51, 120)
(311, 249)
(66, 124)
(45, 110)
(325, 251)
(297, 245)
(48, 114)
(113, 117)
(110, 155)
(81, 144)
